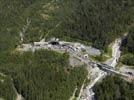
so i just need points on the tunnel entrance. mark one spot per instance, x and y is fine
(54, 43)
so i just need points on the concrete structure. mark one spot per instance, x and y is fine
(99, 70)
(92, 51)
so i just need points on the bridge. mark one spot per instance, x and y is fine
(102, 66)
(108, 68)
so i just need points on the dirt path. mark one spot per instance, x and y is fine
(81, 90)
(19, 97)
(73, 96)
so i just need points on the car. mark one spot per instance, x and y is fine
(130, 73)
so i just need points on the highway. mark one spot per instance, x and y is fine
(98, 70)
(104, 69)
(112, 70)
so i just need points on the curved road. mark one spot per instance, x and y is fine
(111, 62)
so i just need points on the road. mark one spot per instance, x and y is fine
(19, 97)
(73, 96)
(111, 62)
(81, 90)
(97, 74)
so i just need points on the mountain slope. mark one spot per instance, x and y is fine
(93, 21)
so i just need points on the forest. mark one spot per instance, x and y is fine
(43, 75)
(128, 48)
(100, 21)
(114, 88)
(93, 22)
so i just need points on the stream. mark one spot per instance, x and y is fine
(111, 62)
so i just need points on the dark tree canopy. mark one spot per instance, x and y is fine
(114, 88)
(43, 75)
(128, 48)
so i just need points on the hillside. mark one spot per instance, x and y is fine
(93, 21)
(100, 22)
(47, 75)
(43, 75)
(128, 48)
(114, 88)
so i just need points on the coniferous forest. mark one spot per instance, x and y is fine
(94, 21)
(43, 75)
(47, 75)
(114, 88)
(128, 48)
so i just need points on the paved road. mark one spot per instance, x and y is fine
(100, 74)
(111, 62)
